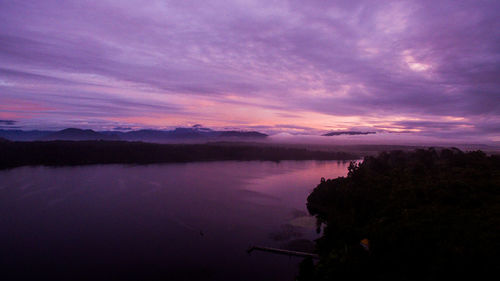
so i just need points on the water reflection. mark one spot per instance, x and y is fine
(174, 221)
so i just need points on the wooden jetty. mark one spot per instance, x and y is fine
(283, 252)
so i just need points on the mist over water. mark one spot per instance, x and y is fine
(384, 138)
(189, 221)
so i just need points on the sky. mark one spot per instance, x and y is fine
(416, 69)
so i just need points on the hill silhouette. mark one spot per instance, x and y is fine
(195, 133)
(78, 134)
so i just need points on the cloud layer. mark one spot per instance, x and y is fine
(430, 68)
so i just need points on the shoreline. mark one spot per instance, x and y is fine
(75, 153)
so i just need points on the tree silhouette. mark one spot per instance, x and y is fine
(429, 214)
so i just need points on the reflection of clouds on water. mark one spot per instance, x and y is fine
(256, 197)
(175, 214)
(153, 187)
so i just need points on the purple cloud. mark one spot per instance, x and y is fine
(426, 67)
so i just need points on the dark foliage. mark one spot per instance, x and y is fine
(428, 215)
(13, 154)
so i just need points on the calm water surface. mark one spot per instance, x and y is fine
(170, 222)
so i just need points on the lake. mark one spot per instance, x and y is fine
(190, 221)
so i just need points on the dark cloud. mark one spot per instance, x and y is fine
(7, 122)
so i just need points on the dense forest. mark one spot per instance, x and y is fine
(58, 153)
(423, 215)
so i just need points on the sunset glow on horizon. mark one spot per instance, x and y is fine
(417, 68)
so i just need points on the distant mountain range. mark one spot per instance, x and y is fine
(338, 133)
(195, 133)
(78, 134)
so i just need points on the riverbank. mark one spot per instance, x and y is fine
(63, 153)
